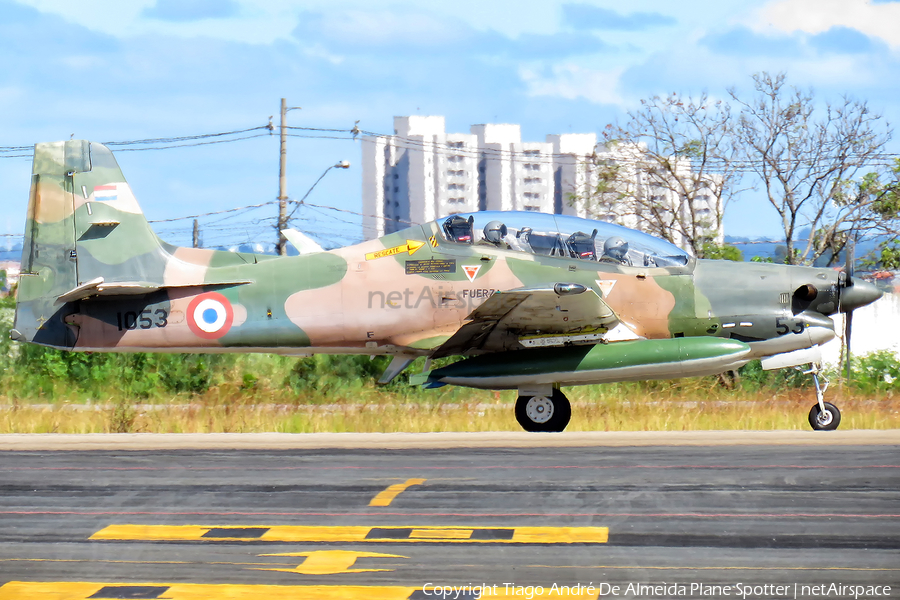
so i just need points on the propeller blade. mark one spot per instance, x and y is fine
(851, 258)
(848, 318)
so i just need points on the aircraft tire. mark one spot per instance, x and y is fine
(829, 421)
(544, 413)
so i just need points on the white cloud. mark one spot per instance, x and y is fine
(81, 62)
(379, 28)
(10, 94)
(572, 82)
(816, 16)
(256, 24)
(321, 52)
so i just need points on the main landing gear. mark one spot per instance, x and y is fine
(549, 413)
(823, 416)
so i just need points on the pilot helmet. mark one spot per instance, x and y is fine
(615, 247)
(494, 232)
(459, 229)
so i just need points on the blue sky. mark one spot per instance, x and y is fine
(111, 70)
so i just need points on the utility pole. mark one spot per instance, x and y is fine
(196, 233)
(282, 183)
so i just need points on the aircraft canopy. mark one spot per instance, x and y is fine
(563, 236)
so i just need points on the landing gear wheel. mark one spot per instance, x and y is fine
(543, 413)
(827, 420)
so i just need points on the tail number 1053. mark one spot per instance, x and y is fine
(145, 319)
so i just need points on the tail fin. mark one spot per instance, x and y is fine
(84, 226)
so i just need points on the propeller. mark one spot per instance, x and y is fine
(849, 294)
(848, 318)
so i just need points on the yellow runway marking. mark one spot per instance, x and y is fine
(387, 496)
(330, 562)
(146, 562)
(741, 568)
(441, 534)
(81, 590)
(367, 533)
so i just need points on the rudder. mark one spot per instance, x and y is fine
(83, 224)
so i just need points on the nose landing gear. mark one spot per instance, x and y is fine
(823, 416)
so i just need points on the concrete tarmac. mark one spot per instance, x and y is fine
(715, 520)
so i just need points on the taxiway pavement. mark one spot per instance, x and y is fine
(271, 523)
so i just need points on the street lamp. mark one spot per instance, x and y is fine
(282, 248)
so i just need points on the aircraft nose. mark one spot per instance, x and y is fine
(859, 294)
(820, 328)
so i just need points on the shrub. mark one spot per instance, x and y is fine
(875, 372)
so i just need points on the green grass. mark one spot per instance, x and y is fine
(216, 412)
(44, 390)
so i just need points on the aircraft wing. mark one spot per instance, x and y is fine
(532, 317)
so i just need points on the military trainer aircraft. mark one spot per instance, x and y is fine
(529, 301)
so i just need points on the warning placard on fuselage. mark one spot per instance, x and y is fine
(430, 266)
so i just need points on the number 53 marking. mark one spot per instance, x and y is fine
(783, 326)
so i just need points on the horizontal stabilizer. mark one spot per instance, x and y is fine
(97, 287)
(301, 241)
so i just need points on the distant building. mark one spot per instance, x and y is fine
(653, 197)
(422, 173)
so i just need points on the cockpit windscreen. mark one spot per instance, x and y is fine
(563, 236)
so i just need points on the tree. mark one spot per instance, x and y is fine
(815, 165)
(887, 204)
(723, 252)
(669, 170)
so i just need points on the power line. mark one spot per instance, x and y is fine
(172, 140)
(249, 137)
(167, 142)
(320, 137)
(322, 129)
(482, 153)
(215, 212)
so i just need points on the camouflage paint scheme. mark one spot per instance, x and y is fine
(96, 278)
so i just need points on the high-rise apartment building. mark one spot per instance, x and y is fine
(422, 173)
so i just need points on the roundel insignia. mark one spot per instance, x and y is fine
(210, 315)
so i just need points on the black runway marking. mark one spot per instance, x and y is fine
(492, 534)
(377, 533)
(404, 533)
(247, 533)
(138, 592)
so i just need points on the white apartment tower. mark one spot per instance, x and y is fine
(422, 173)
(648, 186)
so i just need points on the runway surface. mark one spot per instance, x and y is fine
(768, 521)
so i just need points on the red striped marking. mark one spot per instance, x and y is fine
(444, 468)
(454, 514)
